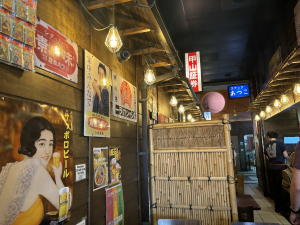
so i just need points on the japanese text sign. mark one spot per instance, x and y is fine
(96, 97)
(55, 52)
(193, 70)
(239, 91)
(124, 98)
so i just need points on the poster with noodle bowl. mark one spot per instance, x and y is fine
(100, 167)
(124, 98)
(36, 162)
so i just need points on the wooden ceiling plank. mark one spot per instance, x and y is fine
(161, 64)
(132, 22)
(146, 51)
(135, 30)
(103, 3)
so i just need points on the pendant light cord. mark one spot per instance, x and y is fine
(83, 8)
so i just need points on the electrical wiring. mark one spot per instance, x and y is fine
(138, 5)
(83, 8)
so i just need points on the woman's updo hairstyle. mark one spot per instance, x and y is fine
(32, 132)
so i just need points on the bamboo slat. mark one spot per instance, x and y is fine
(191, 178)
(190, 150)
(193, 207)
(188, 124)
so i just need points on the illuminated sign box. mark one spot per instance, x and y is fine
(239, 91)
(193, 70)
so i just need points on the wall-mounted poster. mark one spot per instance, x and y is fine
(55, 52)
(165, 119)
(114, 205)
(160, 118)
(36, 162)
(100, 167)
(114, 165)
(96, 97)
(124, 98)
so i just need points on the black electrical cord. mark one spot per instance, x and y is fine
(83, 8)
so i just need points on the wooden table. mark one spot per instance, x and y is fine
(246, 200)
(252, 223)
(178, 222)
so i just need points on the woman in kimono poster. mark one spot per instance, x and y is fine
(36, 163)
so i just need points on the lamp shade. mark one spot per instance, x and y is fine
(284, 99)
(262, 114)
(257, 118)
(181, 109)
(113, 40)
(173, 101)
(297, 89)
(277, 103)
(149, 76)
(268, 109)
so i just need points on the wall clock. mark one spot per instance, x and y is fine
(213, 102)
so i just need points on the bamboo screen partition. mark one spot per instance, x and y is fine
(192, 172)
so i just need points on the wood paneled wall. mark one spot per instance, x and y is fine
(47, 88)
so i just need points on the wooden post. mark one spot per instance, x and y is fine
(152, 181)
(230, 172)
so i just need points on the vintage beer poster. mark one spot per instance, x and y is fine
(55, 52)
(36, 162)
(124, 98)
(96, 97)
(114, 165)
(114, 206)
(100, 167)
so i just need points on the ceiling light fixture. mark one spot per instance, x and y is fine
(257, 118)
(149, 76)
(277, 103)
(181, 109)
(173, 101)
(113, 40)
(262, 114)
(268, 109)
(297, 89)
(284, 99)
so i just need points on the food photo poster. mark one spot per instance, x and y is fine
(100, 167)
(36, 162)
(114, 165)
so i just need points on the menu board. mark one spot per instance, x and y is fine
(100, 167)
(114, 165)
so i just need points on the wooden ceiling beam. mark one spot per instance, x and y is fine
(175, 90)
(169, 85)
(145, 42)
(146, 51)
(135, 30)
(131, 22)
(161, 64)
(103, 3)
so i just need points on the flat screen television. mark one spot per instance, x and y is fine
(291, 140)
(239, 91)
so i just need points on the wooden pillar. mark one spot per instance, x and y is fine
(230, 172)
(152, 181)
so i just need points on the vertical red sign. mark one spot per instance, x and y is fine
(193, 70)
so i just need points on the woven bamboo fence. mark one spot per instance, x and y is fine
(192, 172)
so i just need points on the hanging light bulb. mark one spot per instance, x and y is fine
(277, 103)
(297, 89)
(113, 40)
(183, 118)
(262, 114)
(257, 118)
(149, 76)
(189, 117)
(268, 109)
(284, 99)
(173, 101)
(192, 120)
(181, 109)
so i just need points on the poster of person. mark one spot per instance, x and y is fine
(96, 97)
(160, 118)
(114, 205)
(100, 167)
(165, 119)
(36, 162)
(114, 165)
(124, 98)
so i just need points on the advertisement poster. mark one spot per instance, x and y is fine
(114, 206)
(193, 70)
(55, 52)
(36, 162)
(80, 172)
(114, 165)
(160, 118)
(96, 97)
(152, 101)
(100, 167)
(124, 98)
(165, 119)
